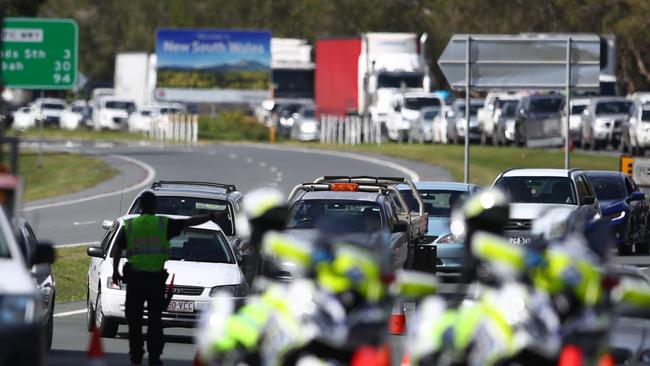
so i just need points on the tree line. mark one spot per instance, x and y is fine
(109, 27)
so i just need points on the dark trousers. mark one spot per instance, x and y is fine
(141, 287)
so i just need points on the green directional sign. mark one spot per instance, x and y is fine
(39, 53)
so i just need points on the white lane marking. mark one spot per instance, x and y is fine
(68, 313)
(78, 223)
(249, 160)
(232, 156)
(261, 164)
(387, 164)
(273, 169)
(212, 152)
(151, 173)
(77, 244)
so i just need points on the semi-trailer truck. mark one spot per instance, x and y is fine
(361, 75)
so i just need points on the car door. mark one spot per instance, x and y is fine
(585, 190)
(399, 241)
(638, 208)
(96, 263)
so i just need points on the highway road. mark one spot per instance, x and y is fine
(76, 218)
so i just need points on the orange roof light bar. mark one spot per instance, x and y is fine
(344, 187)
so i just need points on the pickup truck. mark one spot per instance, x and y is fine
(359, 204)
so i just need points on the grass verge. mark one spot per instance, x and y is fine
(79, 134)
(61, 173)
(486, 161)
(70, 269)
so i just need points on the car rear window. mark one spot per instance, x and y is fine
(558, 190)
(190, 206)
(357, 216)
(608, 188)
(200, 246)
(437, 202)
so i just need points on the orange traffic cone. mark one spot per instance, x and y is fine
(95, 351)
(197, 360)
(405, 360)
(397, 322)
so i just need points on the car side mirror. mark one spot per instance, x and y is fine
(106, 224)
(95, 252)
(588, 200)
(400, 227)
(43, 254)
(636, 196)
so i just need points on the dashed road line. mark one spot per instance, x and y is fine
(232, 156)
(69, 313)
(249, 160)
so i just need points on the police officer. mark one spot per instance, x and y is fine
(146, 240)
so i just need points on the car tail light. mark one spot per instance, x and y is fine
(344, 187)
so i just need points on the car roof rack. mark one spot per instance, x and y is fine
(227, 188)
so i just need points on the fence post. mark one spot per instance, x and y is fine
(195, 129)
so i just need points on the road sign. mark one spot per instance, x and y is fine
(524, 61)
(39, 53)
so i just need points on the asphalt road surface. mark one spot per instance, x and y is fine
(76, 218)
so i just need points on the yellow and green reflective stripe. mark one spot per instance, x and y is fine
(633, 293)
(468, 320)
(280, 246)
(446, 321)
(492, 248)
(332, 281)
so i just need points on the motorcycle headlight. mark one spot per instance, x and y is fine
(18, 309)
(240, 290)
(448, 239)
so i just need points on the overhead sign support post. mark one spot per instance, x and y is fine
(511, 62)
(567, 107)
(468, 84)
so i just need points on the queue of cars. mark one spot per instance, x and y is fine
(108, 112)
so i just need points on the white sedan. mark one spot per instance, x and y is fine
(202, 262)
(24, 118)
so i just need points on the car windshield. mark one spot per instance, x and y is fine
(78, 109)
(621, 107)
(437, 202)
(608, 187)
(308, 113)
(645, 115)
(166, 110)
(431, 114)
(473, 109)
(358, 216)
(577, 109)
(4, 249)
(145, 113)
(557, 190)
(509, 109)
(421, 102)
(116, 104)
(55, 106)
(545, 105)
(389, 80)
(190, 206)
(200, 246)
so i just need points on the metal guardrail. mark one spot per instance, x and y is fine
(180, 127)
(349, 130)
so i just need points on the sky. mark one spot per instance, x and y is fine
(178, 47)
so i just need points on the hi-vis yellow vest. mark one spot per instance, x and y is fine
(147, 247)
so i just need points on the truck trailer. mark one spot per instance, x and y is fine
(361, 75)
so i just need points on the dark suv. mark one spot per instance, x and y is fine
(538, 121)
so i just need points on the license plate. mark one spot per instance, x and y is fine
(179, 306)
(519, 241)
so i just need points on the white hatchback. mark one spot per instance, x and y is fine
(202, 263)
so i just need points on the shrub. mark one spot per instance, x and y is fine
(232, 126)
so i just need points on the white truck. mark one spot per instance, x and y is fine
(362, 74)
(135, 77)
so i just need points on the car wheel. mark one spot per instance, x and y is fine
(90, 313)
(107, 327)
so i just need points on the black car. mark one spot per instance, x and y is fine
(538, 121)
(625, 208)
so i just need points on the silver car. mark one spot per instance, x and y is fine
(305, 125)
(603, 121)
(440, 198)
(453, 121)
(421, 130)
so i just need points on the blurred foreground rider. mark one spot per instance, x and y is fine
(146, 240)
